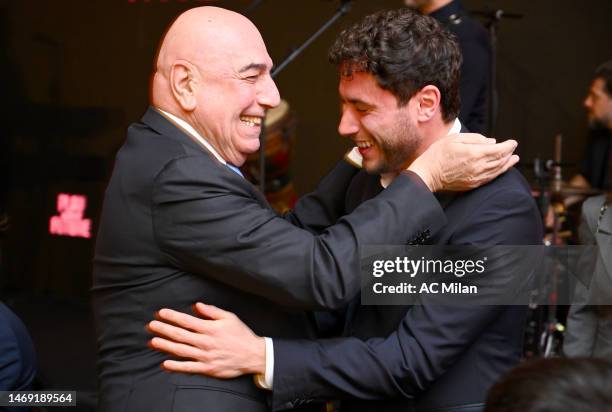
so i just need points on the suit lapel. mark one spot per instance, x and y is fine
(363, 187)
(158, 122)
(604, 239)
(367, 321)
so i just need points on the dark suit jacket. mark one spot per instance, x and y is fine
(475, 70)
(426, 357)
(17, 354)
(177, 227)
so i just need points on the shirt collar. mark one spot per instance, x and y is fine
(193, 132)
(386, 179)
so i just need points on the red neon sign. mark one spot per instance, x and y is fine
(69, 221)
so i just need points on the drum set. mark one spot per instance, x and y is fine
(269, 169)
(279, 127)
(559, 203)
(560, 206)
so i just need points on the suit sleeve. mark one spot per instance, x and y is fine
(426, 343)
(582, 322)
(215, 226)
(10, 362)
(17, 355)
(325, 205)
(580, 336)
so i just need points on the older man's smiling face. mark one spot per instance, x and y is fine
(235, 89)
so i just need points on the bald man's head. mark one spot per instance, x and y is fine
(198, 36)
(426, 6)
(213, 71)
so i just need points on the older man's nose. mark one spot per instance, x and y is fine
(268, 95)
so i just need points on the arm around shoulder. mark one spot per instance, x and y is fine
(211, 224)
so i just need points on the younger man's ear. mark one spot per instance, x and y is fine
(428, 102)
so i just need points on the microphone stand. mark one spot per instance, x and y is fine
(343, 9)
(251, 7)
(494, 17)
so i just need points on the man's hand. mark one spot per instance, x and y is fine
(220, 346)
(464, 161)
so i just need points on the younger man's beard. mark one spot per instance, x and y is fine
(596, 125)
(397, 152)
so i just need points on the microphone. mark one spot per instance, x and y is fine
(497, 14)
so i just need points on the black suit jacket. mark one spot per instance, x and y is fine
(17, 354)
(475, 70)
(423, 357)
(177, 226)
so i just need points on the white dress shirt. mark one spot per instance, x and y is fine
(194, 133)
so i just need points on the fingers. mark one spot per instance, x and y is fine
(185, 366)
(200, 368)
(212, 312)
(514, 159)
(497, 162)
(174, 333)
(471, 138)
(177, 349)
(468, 162)
(498, 150)
(183, 320)
(501, 165)
(495, 169)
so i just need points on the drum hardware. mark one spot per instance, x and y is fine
(565, 190)
(494, 18)
(251, 7)
(551, 340)
(545, 328)
(280, 126)
(344, 8)
(544, 334)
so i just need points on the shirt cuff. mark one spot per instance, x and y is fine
(354, 157)
(266, 380)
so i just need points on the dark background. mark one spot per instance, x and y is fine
(75, 73)
(79, 70)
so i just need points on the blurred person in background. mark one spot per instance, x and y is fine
(595, 170)
(554, 385)
(476, 50)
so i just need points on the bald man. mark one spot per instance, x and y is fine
(180, 223)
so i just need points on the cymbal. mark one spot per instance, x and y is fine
(564, 189)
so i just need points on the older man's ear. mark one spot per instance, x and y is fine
(183, 83)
